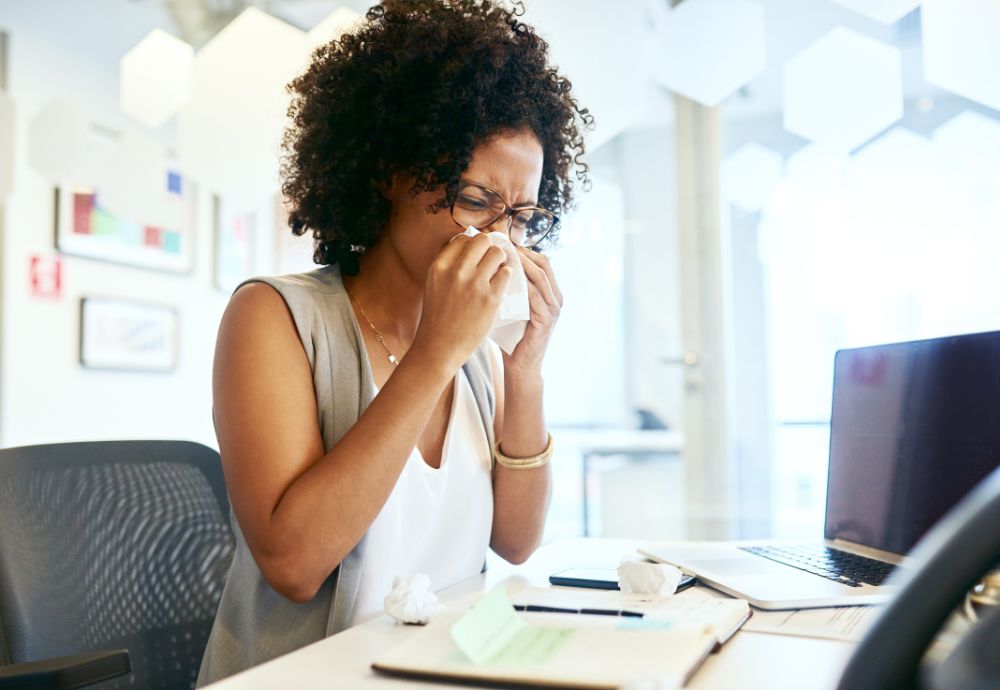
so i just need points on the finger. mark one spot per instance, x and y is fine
(492, 259)
(473, 249)
(541, 311)
(461, 252)
(537, 277)
(453, 248)
(543, 262)
(498, 283)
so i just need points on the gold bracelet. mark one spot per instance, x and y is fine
(529, 463)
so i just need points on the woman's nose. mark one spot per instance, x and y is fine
(501, 224)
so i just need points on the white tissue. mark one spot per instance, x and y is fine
(512, 319)
(641, 577)
(412, 601)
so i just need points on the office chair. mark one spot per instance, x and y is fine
(954, 556)
(113, 557)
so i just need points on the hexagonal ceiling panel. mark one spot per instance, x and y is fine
(57, 140)
(843, 89)
(961, 50)
(155, 78)
(884, 11)
(340, 20)
(818, 164)
(585, 45)
(707, 49)
(969, 144)
(229, 131)
(749, 174)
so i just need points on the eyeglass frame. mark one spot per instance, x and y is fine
(508, 211)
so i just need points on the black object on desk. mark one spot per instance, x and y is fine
(600, 578)
(533, 608)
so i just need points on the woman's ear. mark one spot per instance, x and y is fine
(387, 186)
(395, 186)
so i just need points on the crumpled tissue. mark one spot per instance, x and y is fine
(512, 319)
(642, 577)
(412, 601)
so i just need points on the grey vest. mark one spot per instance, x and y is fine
(254, 623)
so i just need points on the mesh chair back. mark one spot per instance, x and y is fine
(117, 544)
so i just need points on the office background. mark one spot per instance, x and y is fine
(772, 180)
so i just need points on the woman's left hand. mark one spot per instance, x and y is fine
(545, 302)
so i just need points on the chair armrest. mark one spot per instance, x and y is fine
(65, 672)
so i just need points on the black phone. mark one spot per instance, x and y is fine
(599, 578)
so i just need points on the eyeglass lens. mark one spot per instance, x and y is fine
(481, 207)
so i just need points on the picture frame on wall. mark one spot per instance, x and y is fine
(124, 335)
(235, 238)
(85, 227)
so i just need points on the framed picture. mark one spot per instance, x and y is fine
(235, 237)
(124, 335)
(84, 227)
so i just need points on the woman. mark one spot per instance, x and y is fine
(368, 428)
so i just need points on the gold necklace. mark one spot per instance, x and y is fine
(378, 336)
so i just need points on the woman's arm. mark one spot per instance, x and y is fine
(521, 497)
(302, 509)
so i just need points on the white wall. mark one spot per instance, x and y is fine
(72, 50)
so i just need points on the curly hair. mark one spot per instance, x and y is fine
(413, 91)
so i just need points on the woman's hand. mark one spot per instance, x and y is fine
(545, 301)
(465, 286)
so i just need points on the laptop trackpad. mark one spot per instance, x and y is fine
(749, 565)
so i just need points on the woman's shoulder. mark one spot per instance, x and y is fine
(323, 280)
(305, 297)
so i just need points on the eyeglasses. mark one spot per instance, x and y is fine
(481, 207)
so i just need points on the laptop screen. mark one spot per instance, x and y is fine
(914, 427)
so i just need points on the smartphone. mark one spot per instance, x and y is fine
(599, 578)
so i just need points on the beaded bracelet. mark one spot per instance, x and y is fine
(524, 463)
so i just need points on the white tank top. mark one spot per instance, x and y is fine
(436, 521)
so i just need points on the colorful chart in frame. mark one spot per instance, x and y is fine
(86, 228)
(235, 234)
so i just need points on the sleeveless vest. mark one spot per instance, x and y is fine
(254, 623)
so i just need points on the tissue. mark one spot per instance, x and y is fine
(412, 601)
(641, 577)
(512, 319)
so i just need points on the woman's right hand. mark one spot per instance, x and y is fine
(464, 288)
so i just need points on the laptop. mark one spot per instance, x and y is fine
(914, 427)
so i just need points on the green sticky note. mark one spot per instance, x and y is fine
(491, 632)
(487, 628)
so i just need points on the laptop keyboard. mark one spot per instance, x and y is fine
(839, 566)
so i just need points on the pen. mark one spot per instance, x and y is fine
(597, 612)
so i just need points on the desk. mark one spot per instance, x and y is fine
(749, 660)
(592, 443)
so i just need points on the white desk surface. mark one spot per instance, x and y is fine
(748, 660)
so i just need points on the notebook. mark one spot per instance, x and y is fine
(494, 643)
(913, 430)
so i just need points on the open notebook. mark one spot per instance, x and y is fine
(494, 643)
